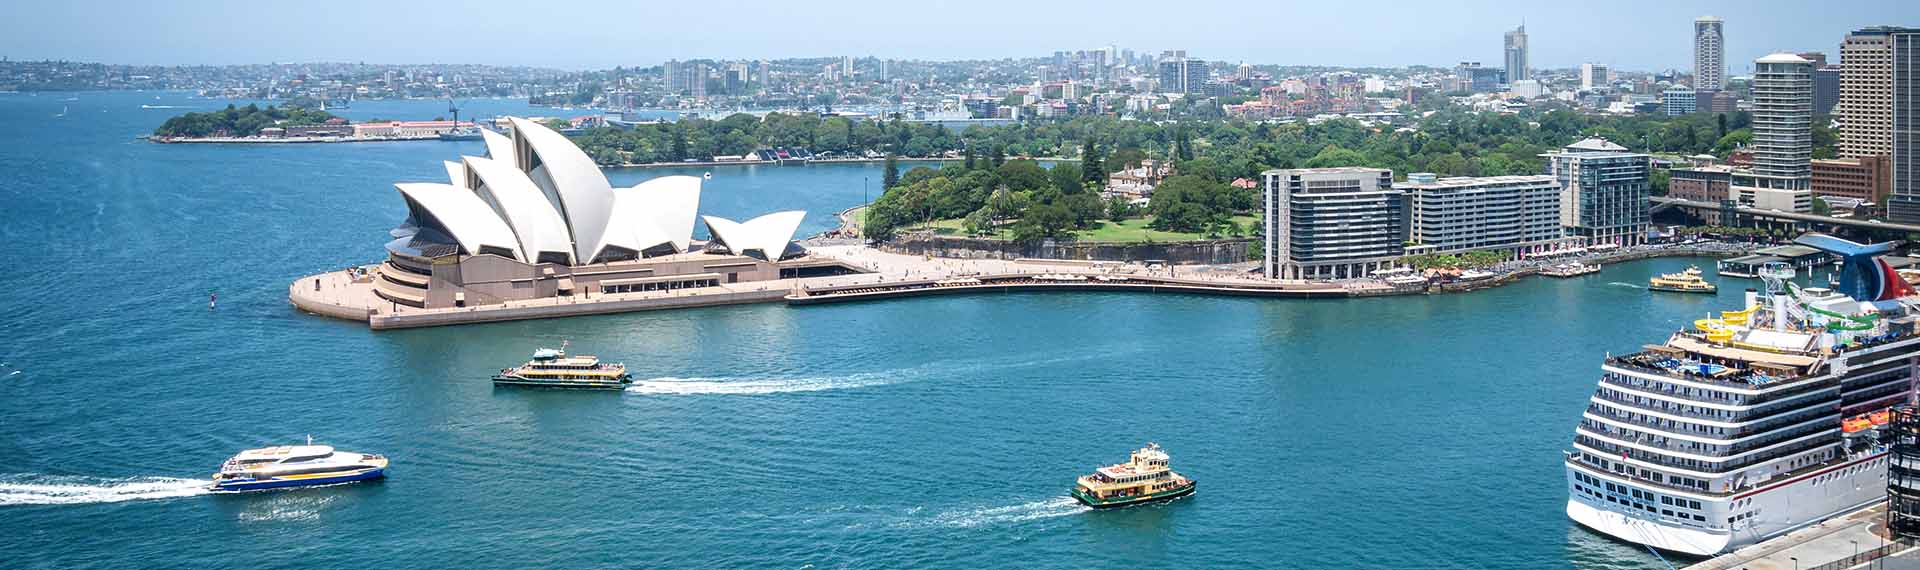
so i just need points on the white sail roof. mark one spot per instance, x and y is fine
(456, 172)
(570, 176)
(500, 148)
(675, 204)
(463, 215)
(515, 199)
(632, 224)
(768, 234)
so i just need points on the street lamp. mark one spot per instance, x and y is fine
(1856, 550)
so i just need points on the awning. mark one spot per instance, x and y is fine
(566, 283)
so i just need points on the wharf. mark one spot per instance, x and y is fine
(1847, 541)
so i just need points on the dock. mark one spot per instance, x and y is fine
(1852, 540)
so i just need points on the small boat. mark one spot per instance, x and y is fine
(461, 134)
(1142, 479)
(289, 466)
(552, 368)
(1689, 281)
(1570, 269)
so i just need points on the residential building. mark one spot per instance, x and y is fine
(1182, 75)
(1332, 223)
(1866, 178)
(1471, 76)
(1603, 191)
(1678, 101)
(1709, 66)
(1782, 125)
(1715, 102)
(1516, 54)
(1594, 75)
(1518, 214)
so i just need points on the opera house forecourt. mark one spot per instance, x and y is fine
(534, 230)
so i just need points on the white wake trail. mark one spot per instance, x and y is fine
(78, 490)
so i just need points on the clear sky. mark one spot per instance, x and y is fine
(580, 34)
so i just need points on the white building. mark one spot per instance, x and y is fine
(1518, 214)
(1709, 66)
(1594, 75)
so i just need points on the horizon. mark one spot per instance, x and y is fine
(1638, 36)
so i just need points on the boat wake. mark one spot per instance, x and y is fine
(1004, 515)
(1623, 284)
(165, 107)
(669, 385)
(79, 490)
(673, 385)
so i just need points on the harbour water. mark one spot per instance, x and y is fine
(1407, 432)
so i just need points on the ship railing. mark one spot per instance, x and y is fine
(1574, 456)
(1735, 377)
(1677, 445)
(1761, 412)
(1868, 555)
(1615, 450)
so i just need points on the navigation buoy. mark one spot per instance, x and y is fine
(709, 175)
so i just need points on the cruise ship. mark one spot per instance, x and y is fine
(1754, 423)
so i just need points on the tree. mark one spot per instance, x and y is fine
(997, 156)
(1043, 221)
(1334, 156)
(969, 153)
(1719, 126)
(1091, 172)
(891, 176)
(1820, 207)
(1066, 177)
(1024, 175)
(1119, 209)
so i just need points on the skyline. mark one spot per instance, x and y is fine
(1643, 36)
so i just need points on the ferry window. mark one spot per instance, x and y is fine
(1667, 512)
(1666, 500)
(1694, 504)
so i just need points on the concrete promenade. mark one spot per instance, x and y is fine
(1827, 545)
(349, 294)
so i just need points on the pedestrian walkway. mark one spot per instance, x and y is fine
(1831, 541)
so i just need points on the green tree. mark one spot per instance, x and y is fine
(1091, 172)
(1820, 207)
(891, 176)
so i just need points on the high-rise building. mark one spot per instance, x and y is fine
(1780, 176)
(1865, 109)
(1182, 75)
(1879, 78)
(697, 80)
(1782, 120)
(676, 81)
(1709, 64)
(1516, 53)
(1518, 214)
(1594, 75)
(846, 67)
(1332, 223)
(1472, 77)
(1603, 191)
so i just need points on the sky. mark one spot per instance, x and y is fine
(1636, 35)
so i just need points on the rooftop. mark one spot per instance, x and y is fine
(1782, 57)
(1473, 181)
(1334, 170)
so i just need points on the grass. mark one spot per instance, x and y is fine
(1133, 230)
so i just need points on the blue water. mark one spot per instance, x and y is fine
(1418, 432)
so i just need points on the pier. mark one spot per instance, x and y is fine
(1852, 540)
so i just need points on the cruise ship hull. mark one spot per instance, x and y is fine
(1775, 509)
(315, 480)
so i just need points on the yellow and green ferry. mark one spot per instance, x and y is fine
(1142, 479)
(552, 368)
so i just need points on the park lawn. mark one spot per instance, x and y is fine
(1134, 230)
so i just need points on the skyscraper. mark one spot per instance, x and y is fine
(1603, 191)
(1516, 50)
(1783, 120)
(1879, 78)
(1709, 65)
(676, 80)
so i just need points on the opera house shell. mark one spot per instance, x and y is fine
(536, 218)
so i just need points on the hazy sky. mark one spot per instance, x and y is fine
(1630, 34)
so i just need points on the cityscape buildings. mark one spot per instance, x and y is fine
(1331, 223)
(1679, 101)
(1863, 178)
(1594, 75)
(1875, 112)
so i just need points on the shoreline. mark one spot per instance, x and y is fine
(338, 295)
(902, 159)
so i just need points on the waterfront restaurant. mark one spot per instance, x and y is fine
(537, 219)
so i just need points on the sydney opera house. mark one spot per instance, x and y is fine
(536, 219)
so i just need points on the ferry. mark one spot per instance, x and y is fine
(1570, 269)
(1144, 478)
(552, 368)
(1689, 281)
(1754, 423)
(290, 466)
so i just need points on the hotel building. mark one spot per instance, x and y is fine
(1603, 191)
(1332, 223)
(1518, 214)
